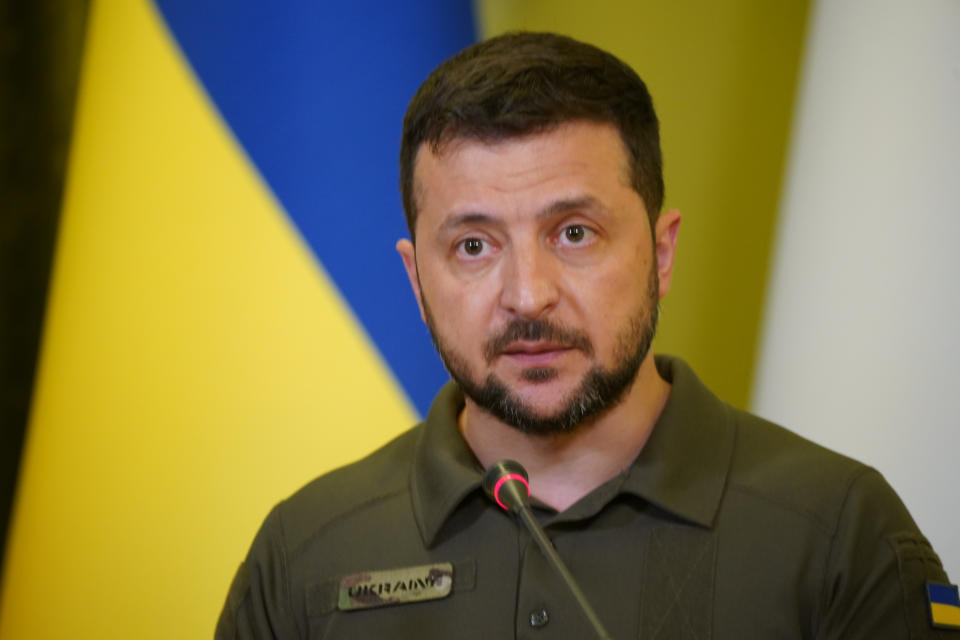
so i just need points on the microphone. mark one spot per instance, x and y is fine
(507, 483)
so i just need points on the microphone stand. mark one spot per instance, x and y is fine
(501, 482)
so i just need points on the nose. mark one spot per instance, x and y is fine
(529, 285)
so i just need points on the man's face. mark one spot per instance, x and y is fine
(535, 271)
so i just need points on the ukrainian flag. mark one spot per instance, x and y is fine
(227, 316)
(944, 602)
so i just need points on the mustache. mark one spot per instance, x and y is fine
(536, 330)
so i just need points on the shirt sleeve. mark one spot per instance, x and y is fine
(875, 582)
(258, 605)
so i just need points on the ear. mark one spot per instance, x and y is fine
(665, 233)
(408, 253)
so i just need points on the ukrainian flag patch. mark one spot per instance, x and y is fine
(944, 601)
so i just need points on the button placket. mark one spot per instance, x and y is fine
(541, 599)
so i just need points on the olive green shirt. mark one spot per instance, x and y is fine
(725, 527)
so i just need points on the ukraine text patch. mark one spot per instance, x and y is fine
(395, 586)
(944, 601)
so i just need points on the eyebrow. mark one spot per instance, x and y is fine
(552, 209)
(469, 217)
(568, 204)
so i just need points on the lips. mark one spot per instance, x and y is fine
(534, 354)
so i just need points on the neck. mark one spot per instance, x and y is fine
(565, 467)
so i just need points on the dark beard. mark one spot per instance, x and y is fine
(601, 389)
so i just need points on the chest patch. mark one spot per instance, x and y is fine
(395, 586)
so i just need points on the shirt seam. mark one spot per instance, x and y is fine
(821, 524)
(828, 560)
(284, 569)
(345, 514)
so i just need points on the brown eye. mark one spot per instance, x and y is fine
(473, 246)
(575, 233)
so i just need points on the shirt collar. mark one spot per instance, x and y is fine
(445, 471)
(682, 468)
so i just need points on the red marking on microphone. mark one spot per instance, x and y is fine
(511, 476)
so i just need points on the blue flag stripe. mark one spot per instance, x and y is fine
(943, 594)
(315, 93)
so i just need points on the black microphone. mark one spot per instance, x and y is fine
(507, 483)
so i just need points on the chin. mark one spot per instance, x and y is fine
(545, 395)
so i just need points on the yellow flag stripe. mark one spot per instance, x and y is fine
(197, 364)
(945, 614)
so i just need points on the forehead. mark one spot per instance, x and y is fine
(572, 159)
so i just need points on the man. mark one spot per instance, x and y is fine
(531, 180)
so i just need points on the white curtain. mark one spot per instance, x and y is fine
(861, 348)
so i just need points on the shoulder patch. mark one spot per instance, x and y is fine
(919, 566)
(944, 602)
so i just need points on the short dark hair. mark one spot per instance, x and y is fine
(521, 83)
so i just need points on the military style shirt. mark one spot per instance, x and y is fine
(725, 527)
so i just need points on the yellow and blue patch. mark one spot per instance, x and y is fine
(944, 601)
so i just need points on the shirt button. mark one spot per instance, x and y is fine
(539, 618)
